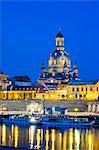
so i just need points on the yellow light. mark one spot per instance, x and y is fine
(47, 139)
(3, 134)
(70, 139)
(75, 109)
(31, 135)
(38, 138)
(53, 139)
(16, 136)
(77, 139)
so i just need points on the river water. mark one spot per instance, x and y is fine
(43, 138)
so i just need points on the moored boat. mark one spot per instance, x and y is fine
(61, 120)
(21, 120)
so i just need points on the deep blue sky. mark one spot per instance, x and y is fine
(28, 35)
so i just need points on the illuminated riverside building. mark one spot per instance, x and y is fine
(4, 81)
(59, 82)
(59, 67)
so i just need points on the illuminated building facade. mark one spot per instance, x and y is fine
(59, 67)
(4, 81)
(59, 82)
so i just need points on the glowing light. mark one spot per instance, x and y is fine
(16, 136)
(3, 134)
(47, 139)
(53, 139)
(38, 138)
(31, 135)
(77, 139)
(75, 109)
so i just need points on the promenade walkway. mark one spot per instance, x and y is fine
(69, 113)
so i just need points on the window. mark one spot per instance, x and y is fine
(90, 88)
(80, 95)
(77, 89)
(82, 89)
(73, 89)
(76, 96)
(97, 88)
(86, 88)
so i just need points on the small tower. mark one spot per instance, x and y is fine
(66, 68)
(43, 70)
(75, 73)
(59, 41)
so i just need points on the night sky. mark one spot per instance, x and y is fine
(28, 31)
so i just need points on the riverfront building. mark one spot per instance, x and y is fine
(4, 81)
(59, 69)
(57, 83)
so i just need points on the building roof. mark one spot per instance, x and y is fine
(59, 34)
(58, 53)
(21, 78)
(81, 82)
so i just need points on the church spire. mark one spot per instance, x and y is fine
(75, 73)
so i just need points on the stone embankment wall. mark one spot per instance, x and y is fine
(21, 105)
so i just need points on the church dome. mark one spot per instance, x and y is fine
(59, 35)
(61, 57)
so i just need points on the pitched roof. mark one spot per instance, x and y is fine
(81, 82)
(21, 78)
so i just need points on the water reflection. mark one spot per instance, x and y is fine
(41, 138)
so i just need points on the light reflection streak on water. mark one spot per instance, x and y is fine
(38, 134)
(70, 139)
(64, 140)
(90, 140)
(47, 139)
(59, 142)
(50, 139)
(3, 134)
(77, 139)
(31, 135)
(53, 139)
(16, 136)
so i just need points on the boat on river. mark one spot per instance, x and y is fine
(21, 120)
(61, 120)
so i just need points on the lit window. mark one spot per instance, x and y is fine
(51, 81)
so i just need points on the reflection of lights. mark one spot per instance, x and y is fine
(70, 138)
(90, 140)
(38, 138)
(77, 139)
(12, 128)
(3, 134)
(47, 139)
(64, 140)
(60, 140)
(31, 135)
(16, 136)
(53, 139)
